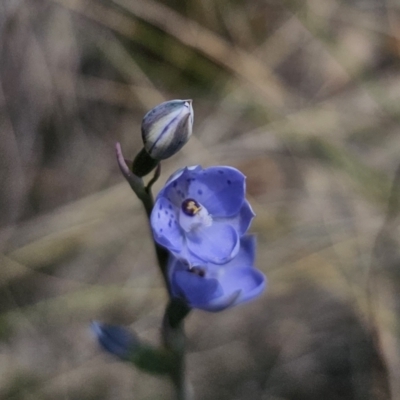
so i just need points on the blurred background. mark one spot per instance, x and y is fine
(303, 97)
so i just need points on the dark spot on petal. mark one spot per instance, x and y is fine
(160, 207)
(158, 214)
(170, 223)
(228, 181)
(220, 171)
(161, 230)
(200, 192)
(174, 184)
(166, 212)
(170, 207)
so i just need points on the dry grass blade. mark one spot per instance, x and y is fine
(243, 64)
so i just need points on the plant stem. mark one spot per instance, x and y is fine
(173, 334)
(145, 196)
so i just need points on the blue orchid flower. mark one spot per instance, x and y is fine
(213, 287)
(201, 214)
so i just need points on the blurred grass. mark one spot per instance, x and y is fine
(303, 97)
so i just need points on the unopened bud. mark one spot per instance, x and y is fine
(127, 346)
(167, 127)
(115, 339)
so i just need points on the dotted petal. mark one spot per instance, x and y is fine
(220, 189)
(166, 229)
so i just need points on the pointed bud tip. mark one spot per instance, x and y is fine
(97, 329)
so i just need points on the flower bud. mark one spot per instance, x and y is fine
(167, 127)
(115, 339)
(126, 345)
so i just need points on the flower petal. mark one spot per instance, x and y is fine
(246, 255)
(246, 215)
(196, 289)
(246, 280)
(220, 189)
(213, 287)
(218, 243)
(166, 229)
(176, 188)
(241, 222)
(220, 303)
(259, 282)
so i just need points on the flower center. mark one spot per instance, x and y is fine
(193, 215)
(190, 207)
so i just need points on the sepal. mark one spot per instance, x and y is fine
(143, 164)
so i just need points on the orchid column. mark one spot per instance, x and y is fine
(199, 223)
